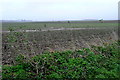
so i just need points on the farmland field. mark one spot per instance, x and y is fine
(43, 50)
(60, 39)
(54, 36)
(55, 25)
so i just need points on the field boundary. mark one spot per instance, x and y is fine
(58, 29)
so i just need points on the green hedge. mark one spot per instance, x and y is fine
(98, 62)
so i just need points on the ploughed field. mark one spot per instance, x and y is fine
(32, 38)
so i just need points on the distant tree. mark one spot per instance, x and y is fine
(45, 25)
(68, 21)
(101, 20)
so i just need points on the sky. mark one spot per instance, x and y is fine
(58, 10)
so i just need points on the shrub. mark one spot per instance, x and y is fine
(84, 63)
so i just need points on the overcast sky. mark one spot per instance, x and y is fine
(54, 10)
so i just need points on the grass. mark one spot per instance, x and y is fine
(47, 25)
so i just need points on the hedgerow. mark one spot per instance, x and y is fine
(97, 62)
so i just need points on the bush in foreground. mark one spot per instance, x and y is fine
(98, 62)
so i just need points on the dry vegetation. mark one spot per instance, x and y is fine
(41, 45)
